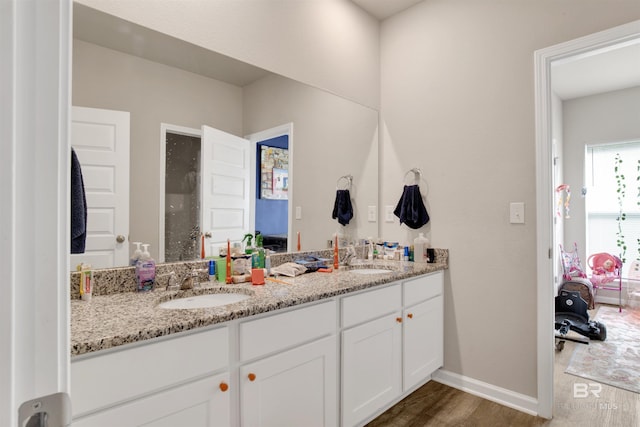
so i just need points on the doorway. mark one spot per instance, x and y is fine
(182, 197)
(547, 120)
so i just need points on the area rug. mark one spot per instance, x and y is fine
(615, 361)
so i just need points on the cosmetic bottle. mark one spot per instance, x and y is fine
(145, 271)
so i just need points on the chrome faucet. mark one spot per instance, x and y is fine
(350, 255)
(171, 281)
(190, 280)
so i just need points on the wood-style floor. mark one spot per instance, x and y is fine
(435, 404)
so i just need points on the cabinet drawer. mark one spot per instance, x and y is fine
(198, 403)
(121, 375)
(369, 305)
(281, 331)
(422, 288)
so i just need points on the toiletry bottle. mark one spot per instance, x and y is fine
(420, 245)
(260, 248)
(212, 270)
(228, 278)
(336, 259)
(86, 281)
(267, 264)
(145, 271)
(136, 254)
(221, 266)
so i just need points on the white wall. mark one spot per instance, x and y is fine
(608, 117)
(153, 93)
(457, 100)
(331, 44)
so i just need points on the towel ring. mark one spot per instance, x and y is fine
(417, 174)
(347, 184)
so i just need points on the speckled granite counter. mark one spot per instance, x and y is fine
(120, 318)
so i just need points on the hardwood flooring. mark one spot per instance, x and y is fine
(435, 404)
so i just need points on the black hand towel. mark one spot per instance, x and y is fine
(342, 209)
(411, 209)
(78, 207)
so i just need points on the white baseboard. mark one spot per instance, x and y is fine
(518, 401)
(610, 300)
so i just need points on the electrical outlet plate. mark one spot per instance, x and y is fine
(516, 213)
(371, 214)
(388, 213)
(298, 212)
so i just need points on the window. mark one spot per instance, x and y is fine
(602, 204)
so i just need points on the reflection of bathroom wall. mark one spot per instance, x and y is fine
(153, 93)
(332, 137)
(182, 199)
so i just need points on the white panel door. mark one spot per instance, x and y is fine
(294, 388)
(423, 345)
(100, 139)
(225, 195)
(371, 367)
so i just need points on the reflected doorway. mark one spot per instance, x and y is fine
(182, 197)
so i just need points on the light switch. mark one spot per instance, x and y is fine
(388, 213)
(516, 213)
(298, 212)
(371, 214)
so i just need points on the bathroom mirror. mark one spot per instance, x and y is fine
(118, 65)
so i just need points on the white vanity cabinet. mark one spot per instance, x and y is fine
(292, 380)
(392, 341)
(423, 323)
(359, 352)
(181, 380)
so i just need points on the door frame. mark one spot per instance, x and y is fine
(545, 250)
(35, 105)
(255, 138)
(164, 129)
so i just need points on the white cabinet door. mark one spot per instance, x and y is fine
(372, 367)
(294, 388)
(202, 403)
(423, 341)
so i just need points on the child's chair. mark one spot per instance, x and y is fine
(571, 265)
(606, 268)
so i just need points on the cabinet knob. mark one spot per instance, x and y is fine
(224, 386)
(410, 315)
(251, 376)
(399, 319)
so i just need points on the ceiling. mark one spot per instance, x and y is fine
(608, 69)
(613, 68)
(382, 9)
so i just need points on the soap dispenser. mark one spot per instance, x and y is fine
(136, 254)
(420, 245)
(145, 271)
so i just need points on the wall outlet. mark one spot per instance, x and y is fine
(298, 212)
(516, 213)
(372, 214)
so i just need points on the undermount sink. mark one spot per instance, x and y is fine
(204, 301)
(370, 271)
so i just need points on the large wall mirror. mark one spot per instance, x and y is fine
(165, 83)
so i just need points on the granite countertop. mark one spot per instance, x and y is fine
(108, 321)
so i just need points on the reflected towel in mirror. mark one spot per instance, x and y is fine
(78, 207)
(342, 208)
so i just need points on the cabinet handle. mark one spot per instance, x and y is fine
(410, 315)
(399, 319)
(224, 386)
(251, 376)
